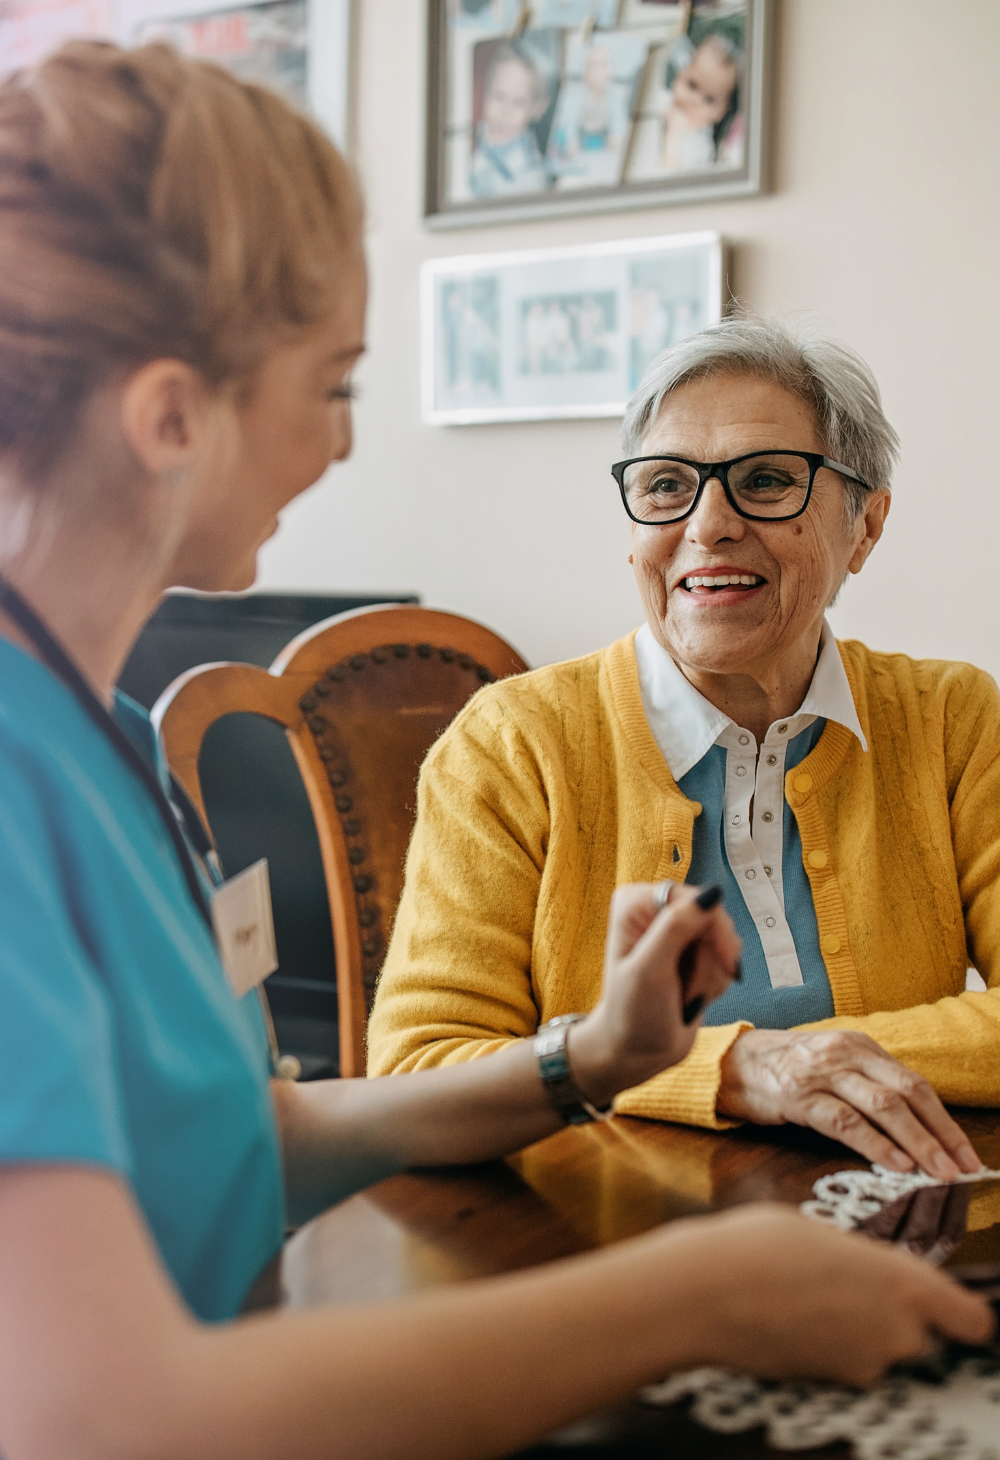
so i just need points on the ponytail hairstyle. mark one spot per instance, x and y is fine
(153, 206)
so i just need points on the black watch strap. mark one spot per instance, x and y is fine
(564, 1093)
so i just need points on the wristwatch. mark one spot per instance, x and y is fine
(564, 1093)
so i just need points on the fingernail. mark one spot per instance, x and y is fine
(738, 971)
(693, 1009)
(709, 896)
(944, 1166)
(902, 1161)
(968, 1158)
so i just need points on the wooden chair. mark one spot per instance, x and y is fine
(362, 697)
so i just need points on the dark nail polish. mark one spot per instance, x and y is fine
(693, 1009)
(685, 964)
(708, 897)
(737, 971)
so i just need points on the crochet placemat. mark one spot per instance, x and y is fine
(945, 1408)
(900, 1418)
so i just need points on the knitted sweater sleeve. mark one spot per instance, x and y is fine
(457, 977)
(954, 1042)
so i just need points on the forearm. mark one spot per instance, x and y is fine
(340, 1135)
(99, 1359)
(475, 1371)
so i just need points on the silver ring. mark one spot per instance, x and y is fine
(663, 894)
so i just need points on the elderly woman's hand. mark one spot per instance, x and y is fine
(842, 1083)
(651, 1000)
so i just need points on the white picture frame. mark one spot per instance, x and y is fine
(558, 333)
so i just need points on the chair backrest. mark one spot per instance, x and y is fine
(362, 697)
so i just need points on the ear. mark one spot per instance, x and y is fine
(163, 415)
(869, 529)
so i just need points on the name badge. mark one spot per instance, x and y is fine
(244, 928)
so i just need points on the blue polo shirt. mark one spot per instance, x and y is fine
(745, 835)
(122, 1047)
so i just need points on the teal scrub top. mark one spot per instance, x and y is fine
(121, 1044)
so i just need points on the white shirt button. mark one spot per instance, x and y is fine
(772, 760)
(741, 770)
(737, 820)
(744, 739)
(768, 870)
(767, 816)
(750, 873)
(769, 922)
(782, 729)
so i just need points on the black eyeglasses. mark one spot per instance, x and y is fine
(765, 486)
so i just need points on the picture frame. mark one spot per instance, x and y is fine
(301, 49)
(559, 333)
(539, 108)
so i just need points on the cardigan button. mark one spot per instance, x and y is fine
(803, 783)
(830, 943)
(817, 859)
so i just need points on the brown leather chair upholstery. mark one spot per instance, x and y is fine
(362, 697)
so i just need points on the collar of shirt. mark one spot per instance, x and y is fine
(686, 725)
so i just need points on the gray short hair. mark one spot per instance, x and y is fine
(829, 376)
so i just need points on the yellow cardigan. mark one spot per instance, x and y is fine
(549, 790)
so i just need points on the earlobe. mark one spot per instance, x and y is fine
(873, 523)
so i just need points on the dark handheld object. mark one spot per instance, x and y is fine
(707, 898)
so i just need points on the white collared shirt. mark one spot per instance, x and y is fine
(685, 726)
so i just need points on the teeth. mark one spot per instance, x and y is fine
(746, 580)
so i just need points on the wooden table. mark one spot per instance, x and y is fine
(582, 1188)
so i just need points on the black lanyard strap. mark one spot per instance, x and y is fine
(55, 656)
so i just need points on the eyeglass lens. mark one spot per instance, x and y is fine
(770, 484)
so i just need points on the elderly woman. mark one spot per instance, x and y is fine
(845, 799)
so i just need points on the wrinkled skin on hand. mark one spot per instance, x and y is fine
(843, 1084)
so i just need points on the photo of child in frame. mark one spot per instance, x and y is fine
(593, 120)
(515, 85)
(691, 116)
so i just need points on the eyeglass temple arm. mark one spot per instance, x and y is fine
(845, 471)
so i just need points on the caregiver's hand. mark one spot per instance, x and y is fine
(842, 1083)
(776, 1295)
(650, 1007)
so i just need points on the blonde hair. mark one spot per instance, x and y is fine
(152, 206)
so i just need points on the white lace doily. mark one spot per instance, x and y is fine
(900, 1418)
(848, 1198)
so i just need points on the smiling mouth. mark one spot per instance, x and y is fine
(712, 583)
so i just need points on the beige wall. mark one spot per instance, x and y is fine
(883, 221)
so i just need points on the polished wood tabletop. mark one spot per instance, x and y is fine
(580, 1189)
